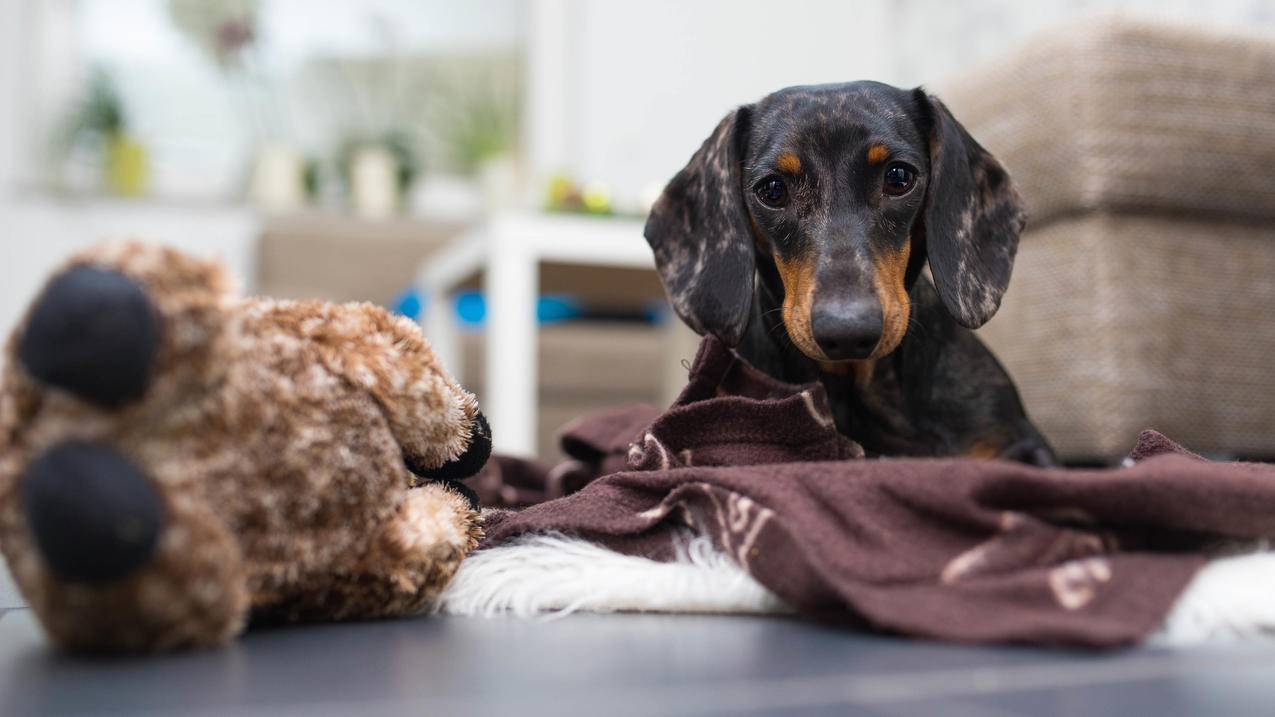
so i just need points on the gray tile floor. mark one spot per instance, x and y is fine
(617, 665)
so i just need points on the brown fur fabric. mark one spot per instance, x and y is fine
(275, 434)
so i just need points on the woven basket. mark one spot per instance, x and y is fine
(1115, 323)
(1130, 117)
(1144, 291)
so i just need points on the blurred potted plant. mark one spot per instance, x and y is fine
(378, 172)
(397, 112)
(479, 124)
(474, 115)
(100, 126)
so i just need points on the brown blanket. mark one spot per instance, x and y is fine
(957, 549)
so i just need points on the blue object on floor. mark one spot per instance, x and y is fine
(658, 311)
(410, 302)
(471, 308)
(556, 307)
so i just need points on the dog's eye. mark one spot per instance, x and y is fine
(898, 179)
(772, 192)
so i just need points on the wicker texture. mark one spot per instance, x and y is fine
(1145, 282)
(1116, 323)
(1121, 116)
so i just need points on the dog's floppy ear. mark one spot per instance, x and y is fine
(972, 218)
(699, 231)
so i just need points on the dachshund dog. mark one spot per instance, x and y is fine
(798, 233)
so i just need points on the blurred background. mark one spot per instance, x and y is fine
(348, 149)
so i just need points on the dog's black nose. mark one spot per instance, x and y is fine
(846, 330)
(94, 515)
(95, 333)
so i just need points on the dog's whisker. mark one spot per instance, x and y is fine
(920, 329)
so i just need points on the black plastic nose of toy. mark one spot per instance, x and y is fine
(465, 465)
(94, 333)
(847, 330)
(94, 515)
(469, 462)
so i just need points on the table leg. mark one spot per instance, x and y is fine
(511, 284)
(442, 329)
(438, 277)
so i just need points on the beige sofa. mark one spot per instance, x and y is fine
(1144, 292)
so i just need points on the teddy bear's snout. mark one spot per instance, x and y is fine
(472, 460)
(94, 332)
(94, 515)
(466, 465)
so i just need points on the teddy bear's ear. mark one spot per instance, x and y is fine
(93, 332)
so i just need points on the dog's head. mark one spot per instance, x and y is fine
(847, 189)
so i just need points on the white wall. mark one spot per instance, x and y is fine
(49, 72)
(640, 84)
(32, 81)
(10, 57)
(624, 92)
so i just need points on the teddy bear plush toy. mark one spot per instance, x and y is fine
(175, 461)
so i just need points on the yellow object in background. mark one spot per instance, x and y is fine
(564, 195)
(596, 198)
(561, 192)
(126, 166)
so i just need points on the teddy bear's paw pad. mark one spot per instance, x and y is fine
(95, 333)
(94, 515)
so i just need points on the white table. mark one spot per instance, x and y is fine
(507, 252)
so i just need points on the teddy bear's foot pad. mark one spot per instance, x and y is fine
(95, 333)
(95, 517)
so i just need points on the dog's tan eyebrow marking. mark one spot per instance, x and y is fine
(788, 162)
(877, 153)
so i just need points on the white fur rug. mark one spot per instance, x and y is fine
(1230, 599)
(552, 575)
